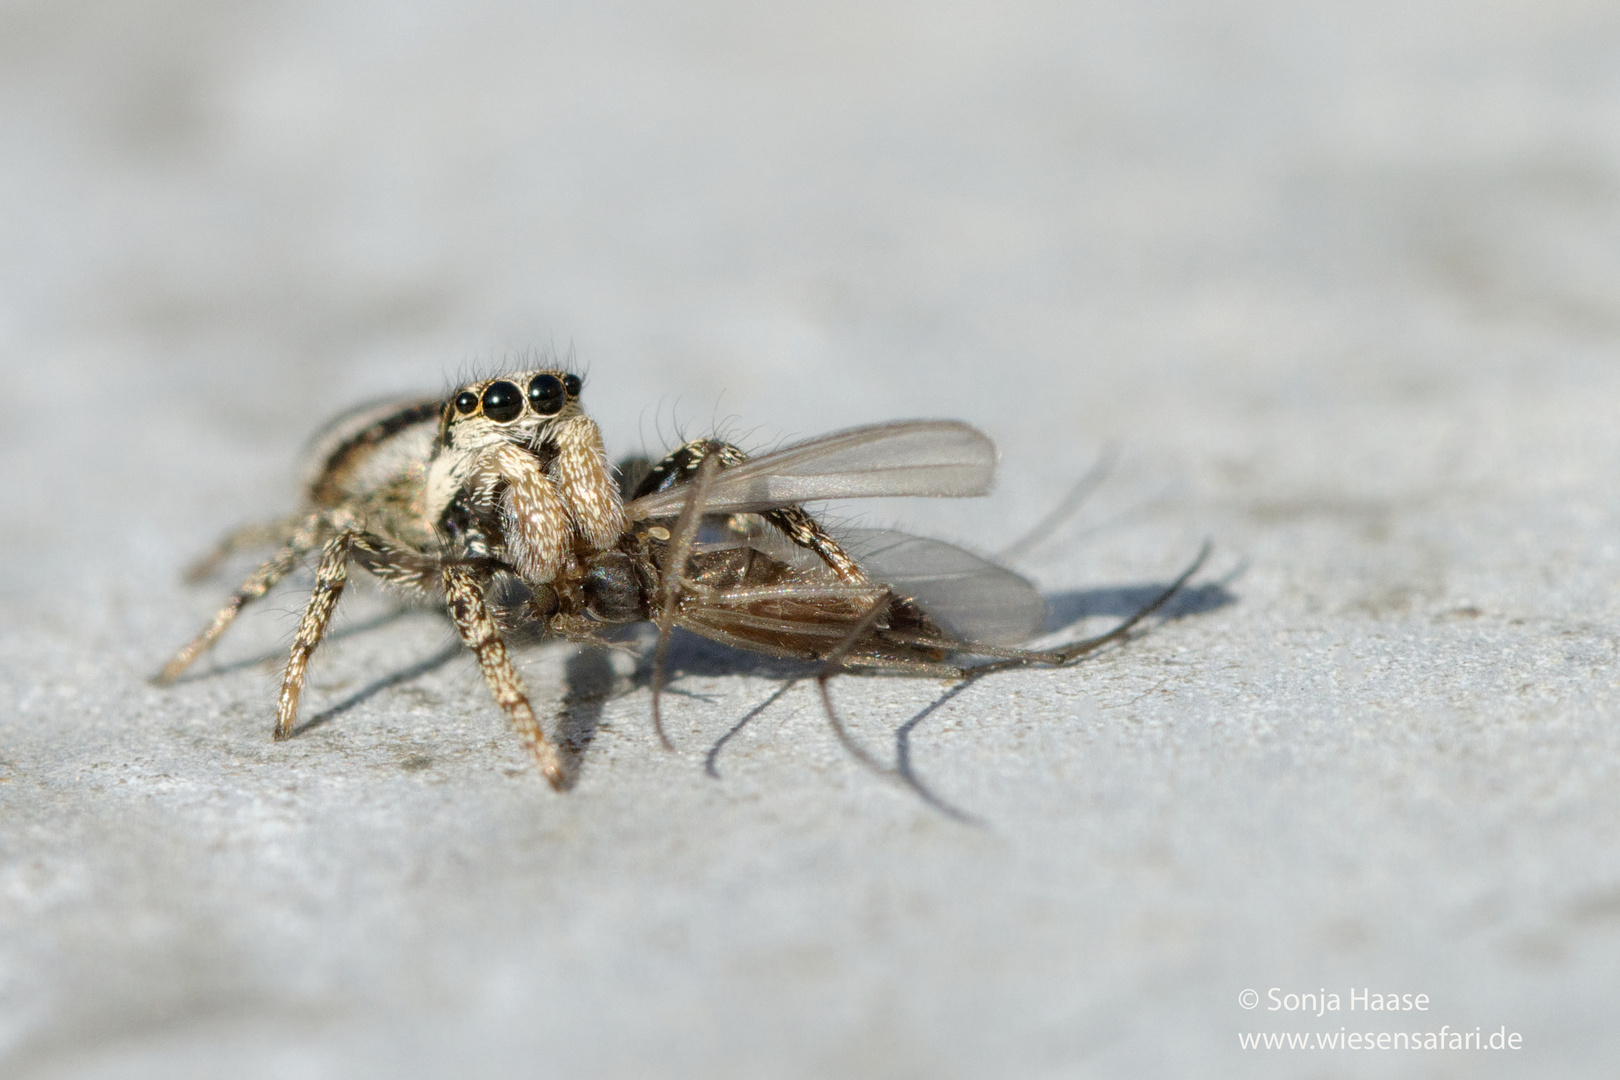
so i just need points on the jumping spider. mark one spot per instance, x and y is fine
(435, 497)
(508, 480)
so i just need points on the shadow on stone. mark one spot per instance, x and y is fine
(589, 675)
(199, 671)
(1067, 608)
(404, 675)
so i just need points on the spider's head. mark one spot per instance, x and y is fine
(517, 408)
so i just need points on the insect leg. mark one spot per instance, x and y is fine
(1015, 658)
(792, 522)
(835, 663)
(464, 594)
(676, 553)
(282, 563)
(1060, 513)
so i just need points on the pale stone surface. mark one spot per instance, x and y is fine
(1343, 282)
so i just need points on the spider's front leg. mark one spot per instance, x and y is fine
(549, 511)
(409, 569)
(464, 588)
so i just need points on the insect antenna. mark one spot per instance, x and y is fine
(676, 554)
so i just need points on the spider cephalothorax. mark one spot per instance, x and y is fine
(521, 448)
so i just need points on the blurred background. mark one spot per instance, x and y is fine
(1089, 220)
(1341, 279)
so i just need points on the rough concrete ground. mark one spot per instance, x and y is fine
(1342, 281)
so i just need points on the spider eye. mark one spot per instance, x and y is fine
(466, 402)
(571, 383)
(546, 394)
(503, 401)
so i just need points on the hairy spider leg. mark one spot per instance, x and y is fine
(382, 558)
(257, 534)
(304, 538)
(464, 595)
(330, 577)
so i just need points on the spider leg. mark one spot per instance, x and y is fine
(405, 569)
(386, 561)
(258, 534)
(464, 594)
(330, 578)
(796, 523)
(283, 562)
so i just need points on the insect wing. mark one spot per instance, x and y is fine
(945, 458)
(972, 598)
(969, 596)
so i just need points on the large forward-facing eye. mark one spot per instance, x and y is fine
(503, 401)
(546, 394)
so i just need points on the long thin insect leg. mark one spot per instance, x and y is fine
(257, 584)
(799, 527)
(1078, 649)
(834, 664)
(330, 578)
(676, 553)
(464, 594)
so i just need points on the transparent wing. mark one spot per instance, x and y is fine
(908, 457)
(970, 597)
